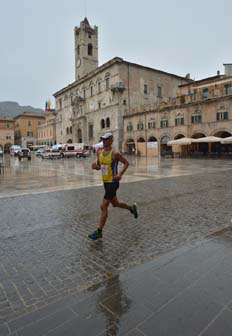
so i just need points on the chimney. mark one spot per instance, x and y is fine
(228, 69)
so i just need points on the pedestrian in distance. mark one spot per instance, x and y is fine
(107, 162)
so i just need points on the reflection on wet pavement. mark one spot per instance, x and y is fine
(52, 175)
(54, 281)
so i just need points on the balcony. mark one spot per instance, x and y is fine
(77, 101)
(118, 87)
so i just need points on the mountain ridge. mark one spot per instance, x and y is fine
(10, 109)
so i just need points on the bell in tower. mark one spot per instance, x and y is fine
(86, 49)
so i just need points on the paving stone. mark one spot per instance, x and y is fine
(222, 325)
(48, 323)
(187, 314)
(4, 330)
(45, 254)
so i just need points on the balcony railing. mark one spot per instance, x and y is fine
(119, 86)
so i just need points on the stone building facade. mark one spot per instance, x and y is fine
(201, 108)
(102, 95)
(26, 128)
(47, 130)
(7, 127)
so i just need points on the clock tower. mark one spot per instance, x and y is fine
(86, 49)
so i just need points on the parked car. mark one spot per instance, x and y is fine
(40, 151)
(50, 153)
(24, 153)
(14, 150)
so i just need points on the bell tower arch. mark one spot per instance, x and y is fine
(86, 49)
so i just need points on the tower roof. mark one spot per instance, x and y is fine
(86, 22)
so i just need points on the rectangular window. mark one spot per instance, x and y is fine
(124, 102)
(84, 94)
(194, 94)
(151, 124)
(99, 105)
(129, 127)
(196, 119)
(7, 125)
(228, 89)
(140, 126)
(163, 123)
(179, 121)
(159, 91)
(29, 133)
(222, 116)
(145, 89)
(29, 122)
(91, 91)
(205, 93)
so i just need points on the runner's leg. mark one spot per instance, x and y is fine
(104, 213)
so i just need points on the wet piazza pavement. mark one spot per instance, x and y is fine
(166, 273)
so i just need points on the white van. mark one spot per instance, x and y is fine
(14, 150)
(75, 149)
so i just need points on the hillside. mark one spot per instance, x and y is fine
(9, 110)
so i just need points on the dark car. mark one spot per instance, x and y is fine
(24, 153)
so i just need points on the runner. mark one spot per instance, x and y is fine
(107, 162)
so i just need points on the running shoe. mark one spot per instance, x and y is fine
(134, 211)
(95, 235)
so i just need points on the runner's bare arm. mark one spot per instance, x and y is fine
(118, 156)
(96, 165)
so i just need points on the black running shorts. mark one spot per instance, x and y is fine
(110, 190)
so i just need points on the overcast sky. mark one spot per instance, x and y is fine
(177, 36)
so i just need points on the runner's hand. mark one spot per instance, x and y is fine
(117, 177)
(95, 166)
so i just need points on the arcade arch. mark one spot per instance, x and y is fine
(130, 146)
(164, 143)
(179, 136)
(141, 146)
(7, 147)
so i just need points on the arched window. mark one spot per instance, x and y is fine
(90, 49)
(99, 86)
(107, 122)
(102, 123)
(107, 83)
(129, 126)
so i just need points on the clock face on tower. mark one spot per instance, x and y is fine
(78, 62)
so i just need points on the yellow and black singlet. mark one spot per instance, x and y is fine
(109, 167)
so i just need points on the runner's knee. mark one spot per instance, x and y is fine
(104, 206)
(114, 203)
